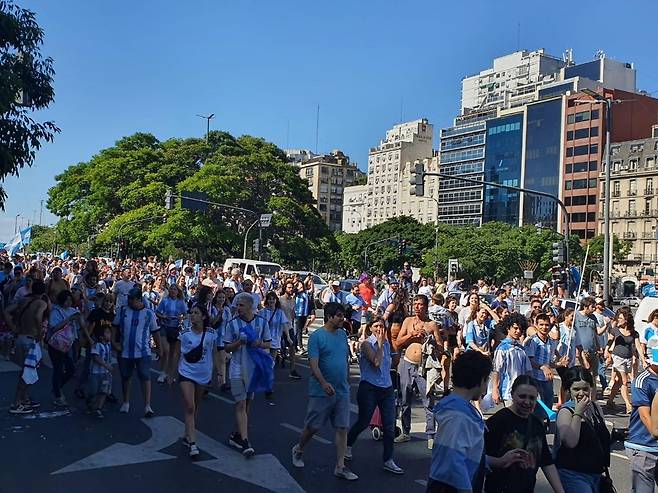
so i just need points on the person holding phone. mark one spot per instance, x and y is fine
(582, 441)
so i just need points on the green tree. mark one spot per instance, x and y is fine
(25, 86)
(620, 248)
(120, 193)
(376, 248)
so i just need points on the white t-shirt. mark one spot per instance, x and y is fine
(120, 290)
(277, 321)
(201, 371)
(426, 290)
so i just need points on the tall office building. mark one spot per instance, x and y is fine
(534, 139)
(327, 176)
(387, 192)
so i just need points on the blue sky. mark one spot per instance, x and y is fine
(263, 66)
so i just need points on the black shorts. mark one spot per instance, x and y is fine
(182, 378)
(452, 341)
(172, 333)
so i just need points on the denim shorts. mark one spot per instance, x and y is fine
(143, 365)
(334, 409)
(100, 384)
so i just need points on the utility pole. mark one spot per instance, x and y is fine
(41, 213)
(207, 118)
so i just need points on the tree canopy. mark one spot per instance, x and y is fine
(120, 193)
(492, 250)
(26, 79)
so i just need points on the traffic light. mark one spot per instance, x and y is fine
(256, 245)
(453, 266)
(417, 181)
(558, 252)
(402, 246)
(169, 199)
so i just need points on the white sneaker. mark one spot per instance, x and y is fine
(125, 408)
(391, 466)
(402, 437)
(297, 457)
(162, 378)
(348, 453)
(194, 450)
(148, 412)
(345, 473)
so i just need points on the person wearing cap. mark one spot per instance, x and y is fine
(333, 294)
(135, 324)
(642, 443)
(172, 275)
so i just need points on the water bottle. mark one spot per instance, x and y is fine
(652, 349)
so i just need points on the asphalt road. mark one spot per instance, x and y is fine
(69, 451)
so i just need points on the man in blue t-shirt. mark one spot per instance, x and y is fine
(642, 443)
(328, 388)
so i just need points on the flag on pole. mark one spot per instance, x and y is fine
(20, 240)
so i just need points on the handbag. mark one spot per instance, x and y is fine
(63, 339)
(195, 354)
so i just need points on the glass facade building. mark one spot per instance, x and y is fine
(502, 165)
(542, 161)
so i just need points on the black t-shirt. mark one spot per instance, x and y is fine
(99, 316)
(623, 344)
(507, 431)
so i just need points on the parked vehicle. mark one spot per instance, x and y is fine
(252, 268)
(630, 301)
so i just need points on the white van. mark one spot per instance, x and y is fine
(252, 268)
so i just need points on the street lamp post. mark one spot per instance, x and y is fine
(16, 223)
(207, 118)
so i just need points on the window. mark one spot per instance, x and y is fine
(593, 165)
(582, 150)
(582, 133)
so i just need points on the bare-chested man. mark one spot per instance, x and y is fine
(56, 283)
(29, 316)
(414, 333)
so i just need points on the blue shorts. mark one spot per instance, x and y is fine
(143, 365)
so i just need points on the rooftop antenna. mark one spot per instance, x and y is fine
(518, 36)
(317, 128)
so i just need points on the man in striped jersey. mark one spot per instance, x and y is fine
(241, 366)
(135, 323)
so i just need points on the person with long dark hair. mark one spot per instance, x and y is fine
(623, 343)
(582, 441)
(376, 391)
(198, 354)
(515, 444)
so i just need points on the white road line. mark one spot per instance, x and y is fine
(299, 430)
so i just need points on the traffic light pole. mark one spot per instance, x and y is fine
(516, 189)
(365, 250)
(226, 206)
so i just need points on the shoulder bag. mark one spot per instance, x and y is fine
(195, 354)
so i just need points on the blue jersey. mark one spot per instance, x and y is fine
(643, 390)
(302, 302)
(478, 334)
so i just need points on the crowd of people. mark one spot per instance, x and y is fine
(460, 353)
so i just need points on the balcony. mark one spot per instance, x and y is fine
(616, 193)
(648, 191)
(649, 235)
(629, 235)
(630, 213)
(632, 192)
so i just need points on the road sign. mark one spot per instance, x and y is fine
(263, 470)
(265, 220)
(528, 274)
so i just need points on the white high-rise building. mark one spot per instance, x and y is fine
(511, 81)
(387, 192)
